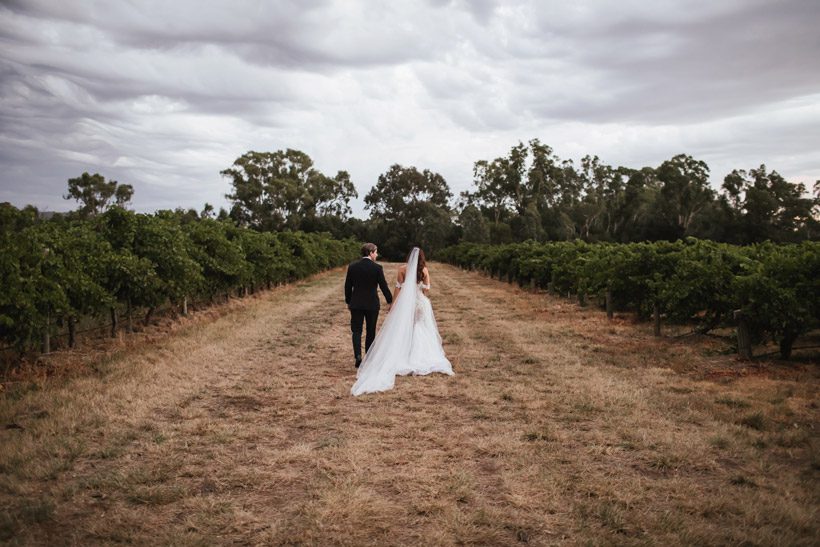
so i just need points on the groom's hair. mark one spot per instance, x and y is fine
(368, 248)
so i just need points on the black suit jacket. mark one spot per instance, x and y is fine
(360, 285)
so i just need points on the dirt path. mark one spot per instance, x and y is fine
(559, 427)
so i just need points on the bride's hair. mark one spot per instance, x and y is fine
(421, 266)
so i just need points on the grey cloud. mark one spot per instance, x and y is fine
(481, 10)
(287, 34)
(666, 71)
(164, 95)
(613, 64)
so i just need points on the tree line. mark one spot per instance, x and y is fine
(528, 194)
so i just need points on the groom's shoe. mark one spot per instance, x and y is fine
(358, 361)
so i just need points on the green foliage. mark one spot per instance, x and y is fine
(700, 286)
(163, 242)
(684, 192)
(68, 269)
(475, 228)
(764, 206)
(777, 287)
(222, 259)
(82, 273)
(409, 207)
(779, 291)
(282, 190)
(94, 193)
(531, 193)
(30, 274)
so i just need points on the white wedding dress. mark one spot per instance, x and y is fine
(408, 342)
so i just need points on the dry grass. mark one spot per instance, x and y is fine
(559, 427)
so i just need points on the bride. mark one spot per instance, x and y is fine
(409, 342)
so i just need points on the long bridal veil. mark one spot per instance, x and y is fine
(391, 349)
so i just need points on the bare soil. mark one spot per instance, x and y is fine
(559, 427)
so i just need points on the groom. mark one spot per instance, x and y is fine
(362, 299)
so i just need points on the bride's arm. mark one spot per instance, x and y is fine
(426, 280)
(399, 283)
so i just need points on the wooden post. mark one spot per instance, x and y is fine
(656, 313)
(47, 334)
(185, 306)
(72, 331)
(148, 316)
(744, 335)
(609, 312)
(129, 323)
(786, 344)
(582, 300)
(532, 284)
(113, 322)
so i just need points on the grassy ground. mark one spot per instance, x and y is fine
(559, 427)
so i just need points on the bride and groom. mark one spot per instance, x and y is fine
(409, 341)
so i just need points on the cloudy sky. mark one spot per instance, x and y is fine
(163, 95)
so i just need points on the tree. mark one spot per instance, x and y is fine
(410, 207)
(492, 189)
(282, 190)
(633, 208)
(528, 194)
(602, 191)
(766, 206)
(685, 191)
(95, 194)
(502, 185)
(473, 225)
(528, 224)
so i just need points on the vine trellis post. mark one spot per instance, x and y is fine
(744, 334)
(609, 312)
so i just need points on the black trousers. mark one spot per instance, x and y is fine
(356, 319)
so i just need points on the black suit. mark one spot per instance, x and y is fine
(363, 276)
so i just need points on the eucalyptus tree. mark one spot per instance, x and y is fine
(634, 215)
(282, 190)
(410, 207)
(684, 192)
(764, 206)
(474, 227)
(95, 194)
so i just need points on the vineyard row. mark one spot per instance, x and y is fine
(767, 291)
(61, 272)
